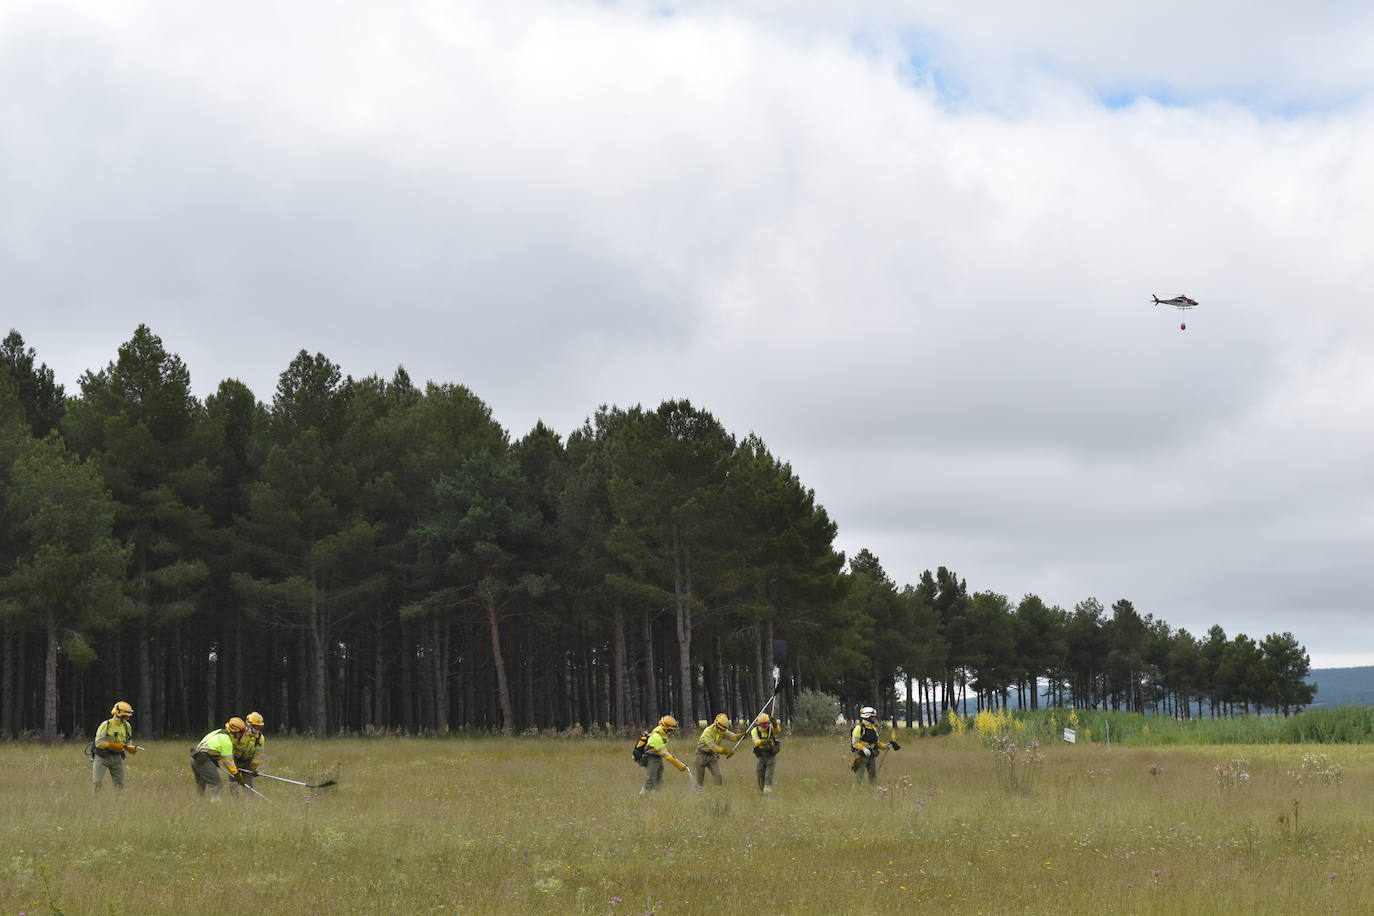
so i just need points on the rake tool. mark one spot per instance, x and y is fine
(294, 782)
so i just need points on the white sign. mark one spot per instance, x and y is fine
(1070, 735)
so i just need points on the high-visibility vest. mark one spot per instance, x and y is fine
(658, 742)
(770, 736)
(217, 744)
(863, 736)
(113, 729)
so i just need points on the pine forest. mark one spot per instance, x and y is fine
(375, 556)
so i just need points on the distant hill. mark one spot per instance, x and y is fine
(1341, 686)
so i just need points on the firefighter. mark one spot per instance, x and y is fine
(711, 746)
(863, 741)
(656, 751)
(767, 737)
(249, 752)
(113, 739)
(216, 750)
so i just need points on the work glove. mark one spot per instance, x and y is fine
(115, 746)
(894, 745)
(129, 748)
(727, 752)
(867, 752)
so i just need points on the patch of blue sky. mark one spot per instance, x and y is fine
(1126, 96)
(920, 64)
(1265, 101)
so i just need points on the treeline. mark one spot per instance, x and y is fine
(368, 554)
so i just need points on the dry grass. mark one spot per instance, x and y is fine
(483, 826)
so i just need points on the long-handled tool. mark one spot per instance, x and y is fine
(779, 657)
(745, 733)
(257, 793)
(294, 782)
(891, 738)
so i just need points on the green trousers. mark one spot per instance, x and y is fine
(764, 770)
(867, 765)
(703, 761)
(112, 762)
(653, 773)
(244, 764)
(207, 774)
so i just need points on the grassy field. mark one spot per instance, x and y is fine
(557, 826)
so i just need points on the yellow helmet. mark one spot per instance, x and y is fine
(255, 719)
(668, 723)
(764, 719)
(122, 709)
(722, 721)
(235, 725)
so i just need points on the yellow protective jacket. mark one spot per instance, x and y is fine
(219, 745)
(865, 735)
(767, 738)
(113, 731)
(713, 736)
(250, 750)
(657, 746)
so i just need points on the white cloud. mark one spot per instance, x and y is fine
(938, 312)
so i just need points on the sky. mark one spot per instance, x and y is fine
(912, 246)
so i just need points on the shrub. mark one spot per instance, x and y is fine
(815, 713)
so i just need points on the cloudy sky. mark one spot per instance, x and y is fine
(911, 245)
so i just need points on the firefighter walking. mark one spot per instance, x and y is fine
(113, 739)
(863, 741)
(216, 750)
(656, 752)
(767, 737)
(711, 746)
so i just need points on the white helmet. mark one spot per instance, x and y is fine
(868, 712)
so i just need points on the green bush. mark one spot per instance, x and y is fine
(815, 713)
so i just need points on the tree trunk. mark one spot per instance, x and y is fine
(377, 713)
(239, 654)
(161, 718)
(145, 667)
(770, 683)
(620, 668)
(654, 709)
(50, 681)
(8, 687)
(494, 630)
(319, 699)
(442, 631)
(682, 590)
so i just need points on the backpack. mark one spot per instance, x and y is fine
(641, 745)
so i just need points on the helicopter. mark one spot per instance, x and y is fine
(1179, 302)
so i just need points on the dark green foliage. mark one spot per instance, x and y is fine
(370, 554)
(42, 400)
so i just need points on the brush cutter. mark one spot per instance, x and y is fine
(294, 782)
